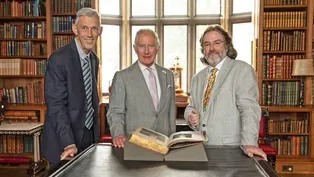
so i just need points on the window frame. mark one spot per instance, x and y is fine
(126, 20)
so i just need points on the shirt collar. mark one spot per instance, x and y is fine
(143, 67)
(81, 53)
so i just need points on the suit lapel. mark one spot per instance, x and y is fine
(162, 77)
(141, 85)
(76, 62)
(221, 77)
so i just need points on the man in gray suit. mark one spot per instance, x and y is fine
(224, 95)
(142, 95)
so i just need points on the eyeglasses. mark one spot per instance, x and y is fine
(214, 44)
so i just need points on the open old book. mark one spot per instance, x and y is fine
(146, 144)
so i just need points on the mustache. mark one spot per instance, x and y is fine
(213, 52)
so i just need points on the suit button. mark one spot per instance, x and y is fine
(204, 125)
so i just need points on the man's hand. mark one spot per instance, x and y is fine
(253, 150)
(194, 118)
(69, 152)
(119, 141)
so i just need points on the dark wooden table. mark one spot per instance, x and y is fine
(104, 160)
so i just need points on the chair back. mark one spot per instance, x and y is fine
(262, 127)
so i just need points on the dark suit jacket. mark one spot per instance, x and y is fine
(66, 102)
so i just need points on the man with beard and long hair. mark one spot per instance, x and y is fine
(224, 95)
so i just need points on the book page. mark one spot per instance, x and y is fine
(185, 138)
(152, 136)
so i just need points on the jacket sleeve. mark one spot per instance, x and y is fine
(116, 111)
(191, 105)
(247, 103)
(56, 96)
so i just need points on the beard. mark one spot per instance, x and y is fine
(213, 58)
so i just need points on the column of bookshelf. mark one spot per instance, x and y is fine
(25, 37)
(63, 16)
(285, 28)
(24, 48)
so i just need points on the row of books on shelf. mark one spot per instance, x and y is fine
(69, 6)
(32, 93)
(291, 19)
(278, 66)
(285, 2)
(16, 144)
(22, 8)
(62, 23)
(15, 114)
(22, 67)
(288, 126)
(281, 93)
(284, 41)
(290, 145)
(22, 48)
(61, 40)
(21, 30)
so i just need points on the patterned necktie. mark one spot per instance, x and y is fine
(210, 85)
(88, 89)
(153, 87)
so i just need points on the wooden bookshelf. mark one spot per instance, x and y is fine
(285, 34)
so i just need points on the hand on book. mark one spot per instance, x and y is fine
(119, 141)
(68, 152)
(194, 118)
(253, 150)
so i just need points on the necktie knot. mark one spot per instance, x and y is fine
(214, 70)
(150, 70)
(86, 58)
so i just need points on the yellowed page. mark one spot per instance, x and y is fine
(150, 139)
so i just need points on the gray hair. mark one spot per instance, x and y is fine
(149, 31)
(86, 11)
(231, 51)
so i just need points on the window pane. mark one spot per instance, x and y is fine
(243, 35)
(238, 6)
(134, 31)
(206, 7)
(175, 45)
(109, 7)
(110, 53)
(143, 7)
(199, 32)
(175, 7)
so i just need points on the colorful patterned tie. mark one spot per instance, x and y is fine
(210, 85)
(88, 89)
(153, 87)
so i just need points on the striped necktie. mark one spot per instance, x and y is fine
(88, 90)
(153, 87)
(210, 85)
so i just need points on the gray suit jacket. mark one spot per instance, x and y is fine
(131, 105)
(233, 113)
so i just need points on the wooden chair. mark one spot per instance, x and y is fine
(264, 143)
